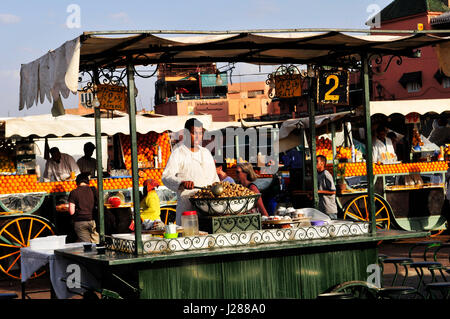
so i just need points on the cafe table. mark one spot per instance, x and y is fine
(66, 279)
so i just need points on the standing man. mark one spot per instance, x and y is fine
(87, 164)
(383, 149)
(82, 204)
(60, 166)
(189, 164)
(326, 189)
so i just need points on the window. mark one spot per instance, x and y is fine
(255, 93)
(413, 87)
(446, 83)
(412, 81)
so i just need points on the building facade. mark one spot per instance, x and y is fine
(410, 77)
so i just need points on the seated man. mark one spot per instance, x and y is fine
(59, 166)
(222, 174)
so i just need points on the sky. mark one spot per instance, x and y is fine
(29, 29)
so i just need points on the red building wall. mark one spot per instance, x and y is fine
(427, 64)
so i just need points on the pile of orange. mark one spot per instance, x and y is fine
(359, 169)
(18, 184)
(7, 164)
(147, 148)
(343, 152)
(323, 147)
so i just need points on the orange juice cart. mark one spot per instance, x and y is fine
(31, 208)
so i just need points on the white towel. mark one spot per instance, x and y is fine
(28, 84)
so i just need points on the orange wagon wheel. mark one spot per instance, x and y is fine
(358, 210)
(16, 233)
(169, 214)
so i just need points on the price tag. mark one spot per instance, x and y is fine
(332, 87)
(112, 97)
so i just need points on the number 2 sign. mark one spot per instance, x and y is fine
(332, 87)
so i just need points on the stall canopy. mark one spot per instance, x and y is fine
(74, 125)
(405, 107)
(56, 73)
(321, 120)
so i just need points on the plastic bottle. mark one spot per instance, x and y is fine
(189, 222)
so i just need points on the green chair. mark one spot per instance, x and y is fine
(431, 266)
(397, 292)
(399, 261)
(442, 287)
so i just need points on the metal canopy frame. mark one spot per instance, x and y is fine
(357, 56)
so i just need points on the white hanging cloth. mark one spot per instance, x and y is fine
(54, 74)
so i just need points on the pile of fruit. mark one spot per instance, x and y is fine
(11, 184)
(323, 147)
(229, 190)
(416, 140)
(148, 147)
(359, 169)
(6, 164)
(447, 150)
(344, 152)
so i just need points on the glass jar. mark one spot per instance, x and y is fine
(189, 222)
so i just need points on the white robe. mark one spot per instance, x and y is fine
(185, 165)
(383, 153)
(60, 171)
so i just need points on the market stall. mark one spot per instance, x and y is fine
(300, 262)
(31, 205)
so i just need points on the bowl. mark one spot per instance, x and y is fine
(225, 205)
(169, 235)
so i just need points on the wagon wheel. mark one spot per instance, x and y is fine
(169, 214)
(358, 209)
(434, 233)
(358, 289)
(16, 233)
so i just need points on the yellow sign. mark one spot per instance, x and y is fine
(288, 85)
(112, 97)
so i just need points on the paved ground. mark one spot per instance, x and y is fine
(401, 248)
